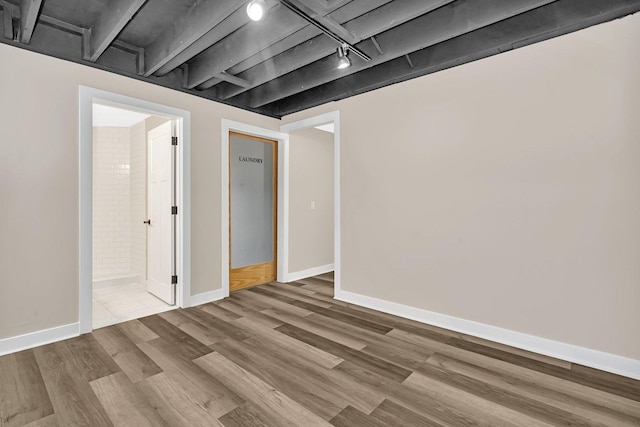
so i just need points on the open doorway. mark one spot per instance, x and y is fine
(134, 209)
(296, 270)
(132, 245)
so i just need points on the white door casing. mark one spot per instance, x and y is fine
(283, 192)
(160, 237)
(88, 96)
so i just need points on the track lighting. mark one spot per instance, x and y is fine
(343, 59)
(255, 9)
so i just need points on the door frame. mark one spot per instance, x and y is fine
(312, 122)
(87, 97)
(272, 265)
(282, 210)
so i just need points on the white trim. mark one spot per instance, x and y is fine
(559, 350)
(332, 117)
(207, 297)
(35, 339)
(87, 96)
(283, 193)
(283, 210)
(310, 272)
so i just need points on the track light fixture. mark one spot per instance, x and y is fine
(343, 59)
(256, 9)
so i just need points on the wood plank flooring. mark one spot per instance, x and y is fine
(290, 355)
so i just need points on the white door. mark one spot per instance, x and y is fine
(160, 240)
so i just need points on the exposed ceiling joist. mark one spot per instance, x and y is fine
(233, 79)
(329, 27)
(29, 10)
(284, 63)
(409, 61)
(368, 25)
(185, 30)
(236, 20)
(539, 24)
(377, 45)
(346, 13)
(319, 16)
(7, 19)
(57, 23)
(212, 82)
(117, 14)
(440, 25)
(242, 44)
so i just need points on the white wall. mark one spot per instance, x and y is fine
(310, 182)
(505, 191)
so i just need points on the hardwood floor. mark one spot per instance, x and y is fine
(290, 355)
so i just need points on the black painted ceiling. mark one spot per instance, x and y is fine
(286, 63)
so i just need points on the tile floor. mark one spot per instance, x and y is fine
(117, 304)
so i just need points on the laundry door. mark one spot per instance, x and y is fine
(252, 210)
(161, 222)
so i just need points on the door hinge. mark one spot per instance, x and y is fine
(174, 210)
(174, 140)
(174, 280)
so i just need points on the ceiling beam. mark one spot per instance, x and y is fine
(186, 29)
(369, 24)
(377, 45)
(209, 83)
(233, 22)
(137, 51)
(245, 42)
(7, 19)
(555, 19)
(344, 14)
(114, 17)
(233, 79)
(61, 25)
(442, 24)
(60, 39)
(314, 14)
(29, 10)
(409, 61)
(328, 32)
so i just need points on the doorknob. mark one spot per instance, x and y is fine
(147, 222)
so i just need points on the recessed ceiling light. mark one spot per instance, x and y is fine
(343, 60)
(255, 10)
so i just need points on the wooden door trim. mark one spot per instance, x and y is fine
(227, 126)
(265, 272)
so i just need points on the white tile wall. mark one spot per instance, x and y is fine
(120, 199)
(111, 200)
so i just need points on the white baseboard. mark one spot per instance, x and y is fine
(292, 277)
(35, 339)
(206, 297)
(568, 352)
